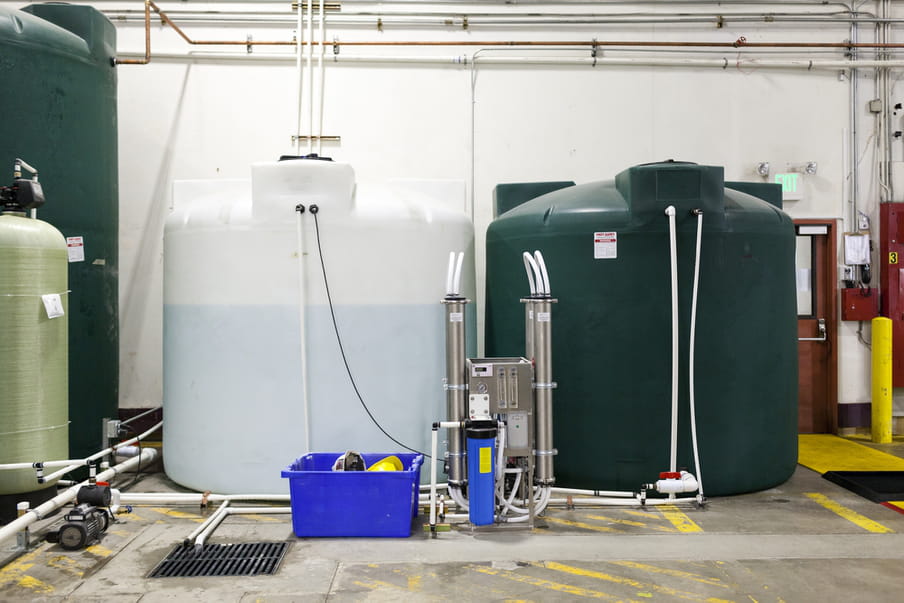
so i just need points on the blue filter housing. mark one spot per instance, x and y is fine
(481, 475)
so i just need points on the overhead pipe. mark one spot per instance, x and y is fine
(741, 42)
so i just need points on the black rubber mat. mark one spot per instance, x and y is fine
(246, 559)
(877, 486)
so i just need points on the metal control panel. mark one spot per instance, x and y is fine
(503, 386)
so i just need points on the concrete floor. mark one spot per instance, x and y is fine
(807, 540)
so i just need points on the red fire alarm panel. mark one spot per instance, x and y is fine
(859, 304)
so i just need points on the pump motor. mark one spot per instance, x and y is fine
(84, 525)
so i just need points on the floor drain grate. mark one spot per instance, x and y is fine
(245, 559)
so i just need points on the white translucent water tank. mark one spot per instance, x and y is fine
(235, 290)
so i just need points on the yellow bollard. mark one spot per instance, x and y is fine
(882, 388)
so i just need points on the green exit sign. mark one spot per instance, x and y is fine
(788, 182)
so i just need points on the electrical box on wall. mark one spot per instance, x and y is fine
(891, 279)
(859, 304)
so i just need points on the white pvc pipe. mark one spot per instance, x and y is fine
(690, 360)
(450, 273)
(673, 255)
(724, 63)
(322, 72)
(458, 264)
(76, 463)
(188, 498)
(538, 276)
(302, 330)
(542, 265)
(210, 525)
(213, 517)
(597, 493)
(147, 456)
(527, 268)
(310, 71)
(433, 452)
(299, 37)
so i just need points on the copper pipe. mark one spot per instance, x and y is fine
(147, 40)
(739, 43)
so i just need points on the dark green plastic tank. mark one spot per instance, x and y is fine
(59, 114)
(612, 327)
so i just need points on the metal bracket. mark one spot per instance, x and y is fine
(249, 48)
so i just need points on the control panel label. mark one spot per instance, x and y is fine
(76, 248)
(486, 456)
(456, 316)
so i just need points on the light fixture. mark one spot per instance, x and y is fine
(762, 168)
(809, 168)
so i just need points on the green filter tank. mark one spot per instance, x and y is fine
(606, 245)
(59, 108)
(33, 349)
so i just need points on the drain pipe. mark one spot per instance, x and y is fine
(692, 354)
(147, 456)
(673, 260)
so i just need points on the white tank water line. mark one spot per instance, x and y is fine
(673, 261)
(691, 354)
(302, 328)
(193, 498)
(148, 455)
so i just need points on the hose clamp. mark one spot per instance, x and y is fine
(552, 452)
(460, 388)
(551, 385)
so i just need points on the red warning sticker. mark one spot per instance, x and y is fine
(605, 245)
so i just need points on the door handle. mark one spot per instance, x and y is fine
(820, 328)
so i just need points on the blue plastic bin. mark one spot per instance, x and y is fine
(353, 503)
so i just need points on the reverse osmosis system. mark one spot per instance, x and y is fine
(499, 424)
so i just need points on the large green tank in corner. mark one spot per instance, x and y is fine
(612, 326)
(59, 114)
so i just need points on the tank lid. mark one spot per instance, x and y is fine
(650, 188)
(313, 156)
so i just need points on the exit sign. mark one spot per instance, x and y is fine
(790, 190)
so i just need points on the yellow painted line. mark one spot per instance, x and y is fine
(856, 518)
(377, 584)
(543, 583)
(100, 551)
(14, 571)
(66, 564)
(823, 452)
(178, 514)
(665, 590)
(34, 584)
(580, 524)
(628, 522)
(672, 572)
(644, 514)
(679, 519)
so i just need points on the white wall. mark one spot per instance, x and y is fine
(184, 119)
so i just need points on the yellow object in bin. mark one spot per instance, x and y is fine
(390, 463)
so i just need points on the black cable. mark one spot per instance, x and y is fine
(314, 210)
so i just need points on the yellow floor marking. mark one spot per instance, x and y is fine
(852, 516)
(644, 514)
(580, 524)
(823, 452)
(549, 584)
(414, 583)
(66, 564)
(679, 519)
(672, 592)
(263, 517)
(628, 522)
(34, 584)
(100, 551)
(14, 571)
(178, 514)
(672, 572)
(376, 584)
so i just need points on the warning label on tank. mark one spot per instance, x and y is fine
(605, 245)
(76, 247)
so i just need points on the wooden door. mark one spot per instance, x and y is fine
(816, 327)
